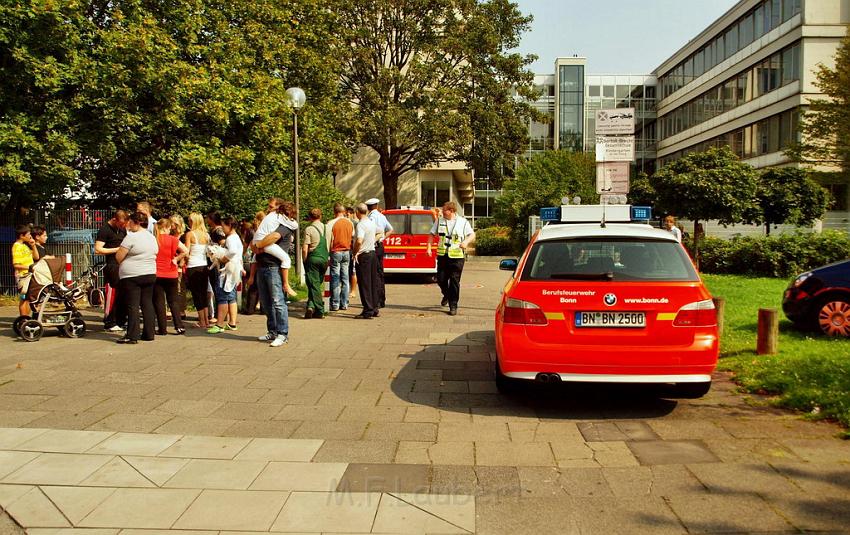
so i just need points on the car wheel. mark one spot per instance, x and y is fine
(833, 316)
(691, 390)
(504, 384)
(31, 330)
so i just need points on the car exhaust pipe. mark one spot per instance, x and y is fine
(548, 378)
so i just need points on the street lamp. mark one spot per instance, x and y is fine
(295, 99)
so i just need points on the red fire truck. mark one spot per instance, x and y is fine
(406, 250)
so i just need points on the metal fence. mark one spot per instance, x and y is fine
(68, 231)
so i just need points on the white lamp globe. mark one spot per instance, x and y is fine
(295, 97)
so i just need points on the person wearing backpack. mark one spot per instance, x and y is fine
(315, 254)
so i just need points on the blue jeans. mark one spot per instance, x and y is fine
(270, 289)
(340, 289)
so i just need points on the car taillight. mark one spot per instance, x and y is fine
(697, 314)
(523, 312)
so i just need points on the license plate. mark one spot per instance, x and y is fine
(394, 256)
(610, 319)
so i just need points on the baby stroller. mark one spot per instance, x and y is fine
(52, 304)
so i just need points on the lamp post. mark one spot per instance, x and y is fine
(296, 98)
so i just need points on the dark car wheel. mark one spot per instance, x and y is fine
(833, 316)
(504, 384)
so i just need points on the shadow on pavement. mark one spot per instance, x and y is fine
(457, 375)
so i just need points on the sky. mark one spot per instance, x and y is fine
(616, 36)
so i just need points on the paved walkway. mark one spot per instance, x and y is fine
(396, 428)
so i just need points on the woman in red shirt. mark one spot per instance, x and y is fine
(171, 251)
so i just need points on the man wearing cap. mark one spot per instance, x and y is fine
(454, 234)
(384, 231)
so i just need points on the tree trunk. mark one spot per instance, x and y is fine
(389, 178)
(767, 229)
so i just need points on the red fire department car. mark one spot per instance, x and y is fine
(603, 299)
(405, 249)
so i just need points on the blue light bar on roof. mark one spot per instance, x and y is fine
(550, 213)
(641, 213)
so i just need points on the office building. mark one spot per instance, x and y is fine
(744, 80)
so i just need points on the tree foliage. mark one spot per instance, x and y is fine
(825, 126)
(427, 77)
(708, 185)
(543, 181)
(790, 195)
(176, 101)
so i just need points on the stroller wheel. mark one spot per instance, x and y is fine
(74, 328)
(16, 325)
(31, 330)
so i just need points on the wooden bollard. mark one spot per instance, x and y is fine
(720, 307)
(768, 332)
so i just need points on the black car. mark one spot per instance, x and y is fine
(820, 299)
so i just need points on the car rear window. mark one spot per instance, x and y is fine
(609, 259)
(421, 223)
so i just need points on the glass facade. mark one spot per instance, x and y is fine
(571, 106)
(768, 75)
(542, 134)
(767, 136)
(769, 14)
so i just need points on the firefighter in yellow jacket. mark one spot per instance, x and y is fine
(453, 234)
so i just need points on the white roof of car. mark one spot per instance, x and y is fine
(595, 230)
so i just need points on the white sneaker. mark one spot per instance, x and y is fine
(114, 329)
(279, 341)
(268, 337)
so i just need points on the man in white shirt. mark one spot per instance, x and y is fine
(145, 208)
(453, 234)
(366, 263)
(384, 231)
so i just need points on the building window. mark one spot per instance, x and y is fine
(593, 91)
(571, 107)
(838, 192)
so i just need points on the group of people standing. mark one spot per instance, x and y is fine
(151, 264)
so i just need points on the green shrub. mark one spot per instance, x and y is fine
(775, 256)
(493, 241)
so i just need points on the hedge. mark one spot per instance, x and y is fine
(493, 241)
(783, 256)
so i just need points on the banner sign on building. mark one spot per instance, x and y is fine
(617, 122)
(615, 149)
(612, 177)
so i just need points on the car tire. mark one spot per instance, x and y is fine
(504, 384)
(691, 390)
(832, 316)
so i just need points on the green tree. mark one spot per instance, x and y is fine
(543, 181)
(708, 185)
(825, 126)
(41, 62)
(790, 195)
(427, 77)
(641, 192)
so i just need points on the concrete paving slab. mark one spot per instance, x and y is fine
(76, 502)
(735, 513)
(200, 447)
(295, 476)
(270, 449)
(135, 444)
(672, 452)
(361, 451)
(10, 493)
(407, 478)
(10, 438)
(60, 441)
(34, 509)
(117, 473)
(233, 510)
(314, 512)
(216, 474)
(156, 469)
(12, 460)
(141, 508)
(431, 513)
(58, 469)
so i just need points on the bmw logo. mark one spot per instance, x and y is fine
(610, 299)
